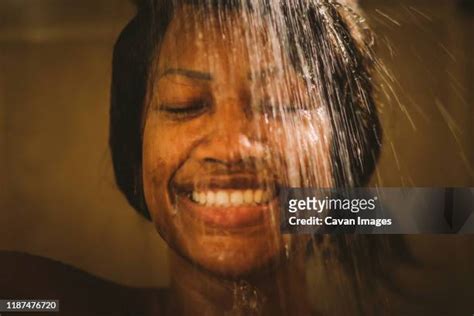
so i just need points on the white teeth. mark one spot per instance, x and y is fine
(195, 196)
(222, 198)
(228, 198)
(257, 196)
(211, 198)
(248, 196)
(236, 198)
(202, 198)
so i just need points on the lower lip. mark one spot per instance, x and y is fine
(226, 217)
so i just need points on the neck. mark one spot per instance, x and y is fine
(277, 291)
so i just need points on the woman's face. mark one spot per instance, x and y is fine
(228, 123)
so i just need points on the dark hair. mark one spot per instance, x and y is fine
(356, 146)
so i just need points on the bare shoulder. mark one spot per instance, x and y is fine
(24, 276)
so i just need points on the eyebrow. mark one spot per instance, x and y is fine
(193, 74)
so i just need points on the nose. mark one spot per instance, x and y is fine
(232, 135)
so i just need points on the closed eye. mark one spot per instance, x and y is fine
(185, 110)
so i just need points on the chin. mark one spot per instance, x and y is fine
(228, 254)
(236, 257)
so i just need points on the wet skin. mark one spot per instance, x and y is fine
(214, 126)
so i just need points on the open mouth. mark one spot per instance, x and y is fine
(227, 201)
(232, 198)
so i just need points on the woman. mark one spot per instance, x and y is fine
(216, 106)
(219, 104)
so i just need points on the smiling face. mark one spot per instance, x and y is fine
(227, 124)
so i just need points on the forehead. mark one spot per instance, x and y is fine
(218, 41)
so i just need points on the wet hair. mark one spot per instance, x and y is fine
(346, 67)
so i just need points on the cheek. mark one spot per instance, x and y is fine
(304, 145)
(154, 172)
(166, 147)
(160, 159)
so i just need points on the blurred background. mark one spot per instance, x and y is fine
(58, 198)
